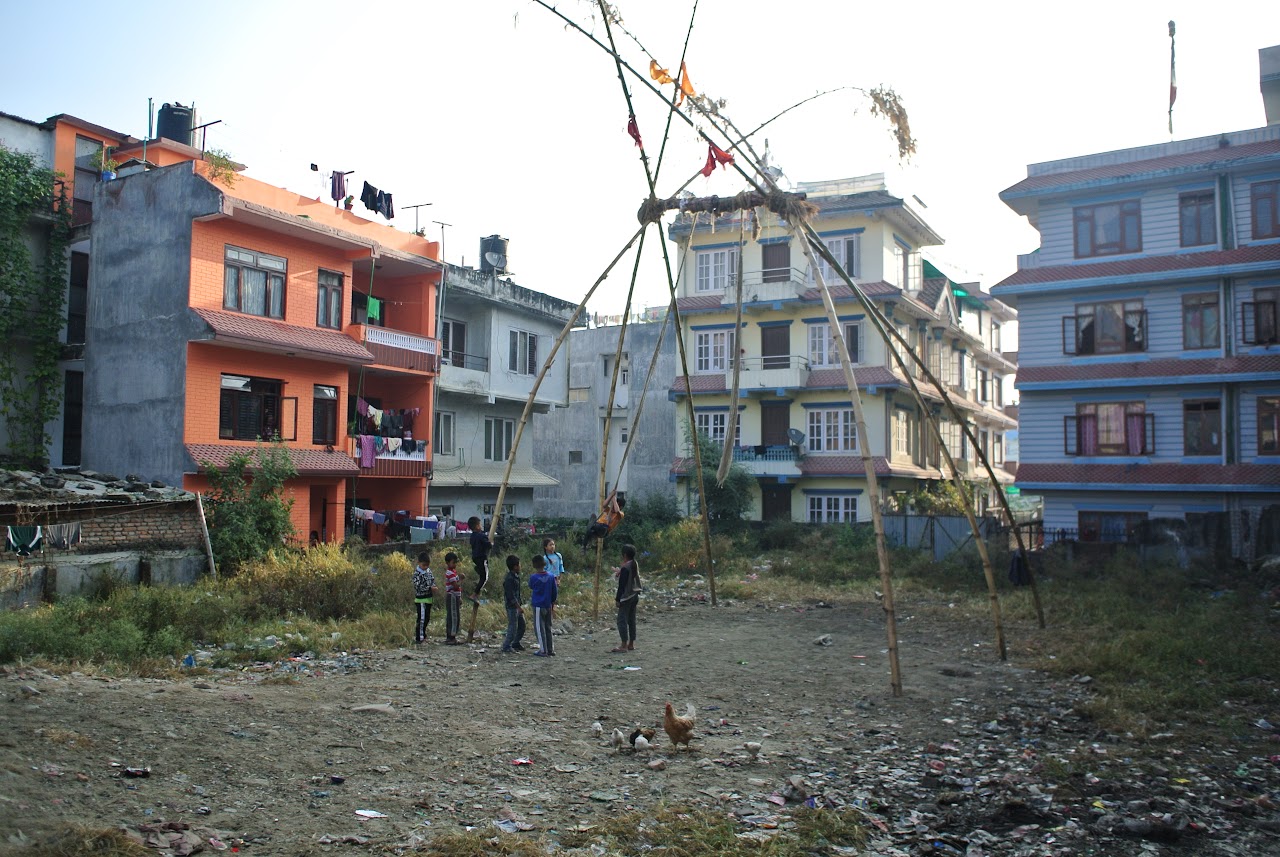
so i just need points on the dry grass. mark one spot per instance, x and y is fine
(78, 841)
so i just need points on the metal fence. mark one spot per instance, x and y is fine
(938, 534)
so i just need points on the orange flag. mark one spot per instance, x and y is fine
(661, 75)
(686, 87)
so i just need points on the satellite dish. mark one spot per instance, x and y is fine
(497, 260)
(796, 436)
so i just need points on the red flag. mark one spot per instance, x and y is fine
(715, 155)
(634, 130)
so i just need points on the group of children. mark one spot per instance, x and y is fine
(544, 590)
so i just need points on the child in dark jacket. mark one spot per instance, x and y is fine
(480, 547)
(542, 591)
(424, 590)
(513, 598)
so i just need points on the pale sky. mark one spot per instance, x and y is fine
(509, 123)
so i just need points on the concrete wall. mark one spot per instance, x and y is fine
(68, 575)
(577, 428)
(139, 324)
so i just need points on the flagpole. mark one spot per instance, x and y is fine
(1173, 79)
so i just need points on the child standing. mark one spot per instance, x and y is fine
(513, 598)
(542, 592)
(627, 598)
(555, 564)
(424, 590)
(480, 547)
(452, 598)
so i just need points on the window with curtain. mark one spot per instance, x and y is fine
(253, 282)
(329, 299)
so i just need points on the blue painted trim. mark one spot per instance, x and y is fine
(786, 323)
(1168, 489)
(834, 492)
(839, 233)
(1120, 195)
(903, 244)
(1234, 165)
(1157, 277)
(785, 239)
(707, 409)
(827, 405)
(822, 319)
(722, 246)
(727, 326)
(1171, 381)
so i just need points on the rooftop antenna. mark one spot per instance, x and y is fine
(415, 213)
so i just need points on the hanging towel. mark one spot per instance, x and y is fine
(393, 445)
(373, 309)
(367, 453)
(63, 536)
(362, 407)
(369, 196)
(379, 518)
(23, 540)
(376, 416)
(337, 186)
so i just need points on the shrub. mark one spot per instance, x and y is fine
(248, 517)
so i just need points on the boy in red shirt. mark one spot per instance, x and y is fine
(452, 599)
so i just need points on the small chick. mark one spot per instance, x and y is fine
(618, 739)
(752, 747)
(647, 731)
(597, 729)
(641, 743)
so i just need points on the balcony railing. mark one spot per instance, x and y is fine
(768, 460)
(775, 372)
(462, 360)
(399, 348)
(386, 462)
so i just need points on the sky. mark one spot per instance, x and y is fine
(508, 122)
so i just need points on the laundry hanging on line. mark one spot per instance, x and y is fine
(377, 200)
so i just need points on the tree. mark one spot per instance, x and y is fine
(727, 503)
(248, 517)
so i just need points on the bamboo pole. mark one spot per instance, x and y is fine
(735, 347)
(869, 468)
(208, 545)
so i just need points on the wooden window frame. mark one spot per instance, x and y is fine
(241, 259)
(1128, 214)
(1197, 218)
(327, 315)
(1265, 221)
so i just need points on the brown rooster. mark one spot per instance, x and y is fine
(679, 729)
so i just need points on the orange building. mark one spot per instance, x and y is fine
(225, 310)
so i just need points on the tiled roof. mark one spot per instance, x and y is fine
(1168, 368)
(836, 465)
(490, 476)
(932, 291)
(1208, 159)
(701, 384)
(699, 303)
(1145, 265)
(308, 462)
(277, 336)
(1163, 476)
(875, 289)
(866, 376)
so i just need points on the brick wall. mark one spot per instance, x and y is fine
(147, 526)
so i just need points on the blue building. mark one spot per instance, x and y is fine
(1149, 365)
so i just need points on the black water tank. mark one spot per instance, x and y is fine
(175, 123)
(493, 255)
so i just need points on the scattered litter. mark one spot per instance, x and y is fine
(137, 773)
(381, 707)
(522, 761)
(605, 796)
(370, 813)
(630, 669)
(824, 640)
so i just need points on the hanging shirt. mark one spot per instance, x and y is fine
(337, 186)
(369, 196)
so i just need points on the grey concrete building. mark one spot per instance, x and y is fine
(568, 442)
(495, 336)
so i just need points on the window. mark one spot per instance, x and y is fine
(1115, 327)
(715, 425)
(624, 371)
(997, 390)
(1109, 229)
(1264, 204)
(1109, 526)
(78, 298)
(822, 345)
(984, 385)
(711, 350)
(444, 433)
(329, 300)
(959, 379)
(848, 252)
(453, 342)
(995, 337)
(832, 509)
(832, 430)
(324, 415)
(1258, 318)
(253, 283)
(997, 448)
(497, 438)
(901, 432)
(1197, 222)
(717, 269)
(1200, 321)
(776, 262)
(1110, 428)
(951, 438)
(1202, 427)
(1269, 425)
(575, 456)
(73, 417)
(523, 357)
(579, 394)
(250, 408)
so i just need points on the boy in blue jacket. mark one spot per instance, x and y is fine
(542, 591)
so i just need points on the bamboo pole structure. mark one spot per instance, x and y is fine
(208, 544)
(731, 423)
(869, 468)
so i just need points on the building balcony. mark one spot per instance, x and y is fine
(780, 461)
(397, 348)
(387, 462)
(777, 372)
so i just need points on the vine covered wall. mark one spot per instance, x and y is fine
(32, 299)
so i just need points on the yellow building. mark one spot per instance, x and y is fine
(796, 432)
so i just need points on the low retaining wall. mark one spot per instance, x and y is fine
(66, 574)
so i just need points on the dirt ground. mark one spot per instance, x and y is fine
(279, 758)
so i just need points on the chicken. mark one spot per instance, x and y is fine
(646, 732)
(679, 729)
(618, 739)
(752, 747)
(597, 729)
(641, 744)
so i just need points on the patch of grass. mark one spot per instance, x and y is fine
(78, 841)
